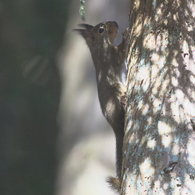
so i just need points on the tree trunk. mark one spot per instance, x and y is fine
(160, 119)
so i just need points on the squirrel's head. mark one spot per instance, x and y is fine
(105, 32)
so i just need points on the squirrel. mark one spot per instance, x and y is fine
(109, 61)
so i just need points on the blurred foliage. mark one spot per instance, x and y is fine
(31, 33)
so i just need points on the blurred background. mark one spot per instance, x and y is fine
(53, 137)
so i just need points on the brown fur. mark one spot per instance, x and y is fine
(109, 61)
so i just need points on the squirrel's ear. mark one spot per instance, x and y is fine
(86, 33)
(86, 26)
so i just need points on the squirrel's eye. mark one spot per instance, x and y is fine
(101, 29)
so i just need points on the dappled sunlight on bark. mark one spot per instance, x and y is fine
(161, 104)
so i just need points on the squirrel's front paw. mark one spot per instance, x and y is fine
(123, 100)
(126, 34)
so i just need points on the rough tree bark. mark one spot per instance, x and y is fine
(159, 141)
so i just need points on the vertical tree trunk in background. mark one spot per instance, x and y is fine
(159, 141)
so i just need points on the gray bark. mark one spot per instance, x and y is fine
(159, 138)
